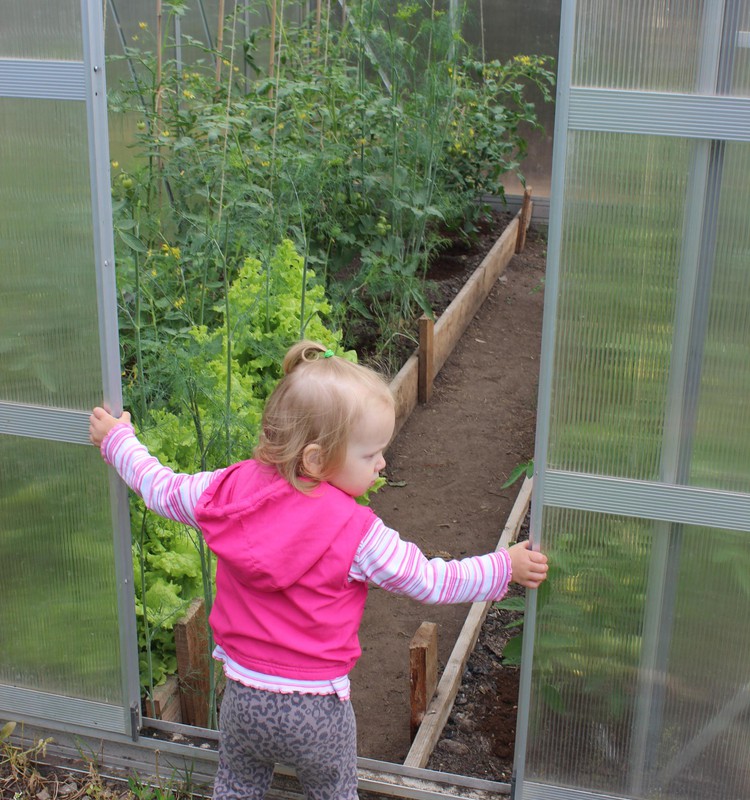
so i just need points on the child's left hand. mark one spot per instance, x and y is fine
(529, 566)
(101, 423)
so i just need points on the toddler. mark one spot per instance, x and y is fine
(295, 554)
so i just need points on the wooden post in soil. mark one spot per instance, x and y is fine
(220, 42)
(165, 702)
(426, 359)
(524, 220)
(272, 41)
(191, 643)
(422, 672)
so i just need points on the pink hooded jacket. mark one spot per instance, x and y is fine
(284, 605)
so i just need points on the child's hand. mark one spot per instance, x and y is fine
(101, 423)
(529, 566)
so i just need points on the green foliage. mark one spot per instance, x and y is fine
(519, 471)
(366, 144)
(217, 383)
(303, 203)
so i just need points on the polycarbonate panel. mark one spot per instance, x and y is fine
(653, 45)
(590, 664)
(58, 616)
(49, 335)
(619, 264)
(41, 29)
(133, 23)
(721, 448)
(741, 77)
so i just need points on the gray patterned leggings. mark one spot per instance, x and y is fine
(317, 735)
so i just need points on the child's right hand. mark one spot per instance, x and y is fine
(101, 423)
(529, 566)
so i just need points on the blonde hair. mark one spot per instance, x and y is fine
(318, 401)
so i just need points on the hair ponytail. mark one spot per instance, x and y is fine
(300, 353)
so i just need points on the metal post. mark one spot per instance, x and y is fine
(564, 78)
(104, 255)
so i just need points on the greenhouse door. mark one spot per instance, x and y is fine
(67, 628)
(637, 650)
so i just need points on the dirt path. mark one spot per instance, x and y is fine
(447, 467)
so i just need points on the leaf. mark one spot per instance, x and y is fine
(512, 604)
(512, 651)
(526, 468)
(132, 242)
(553, 698)
(7, 730)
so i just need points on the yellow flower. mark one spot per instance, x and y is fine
(153, 273)
(179, 302)
(143, 25)
(188, 94)
(265, 163)
(115, 164)
(165, 134)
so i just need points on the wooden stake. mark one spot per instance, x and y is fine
(422, 672)
(191, 643)
(165, 703)
(220, 43)
(524, 221)
(426, 356)
(159, 60)
(272, 40)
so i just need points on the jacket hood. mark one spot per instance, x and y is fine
(267, 532)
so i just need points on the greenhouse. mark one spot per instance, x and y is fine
(188, 188)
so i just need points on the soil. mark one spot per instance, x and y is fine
(445, 471)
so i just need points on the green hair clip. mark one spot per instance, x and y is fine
(328, 354)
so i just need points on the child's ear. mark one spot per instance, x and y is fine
(312, 461)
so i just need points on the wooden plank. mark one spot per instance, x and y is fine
(524, 220)
(425, 356)
(453, 322)
(165, 703)
(404, 388)
(442, 703)
(456, 318)
(191, 643)
(423, 658)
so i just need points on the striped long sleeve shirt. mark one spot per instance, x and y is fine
(383, 558)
